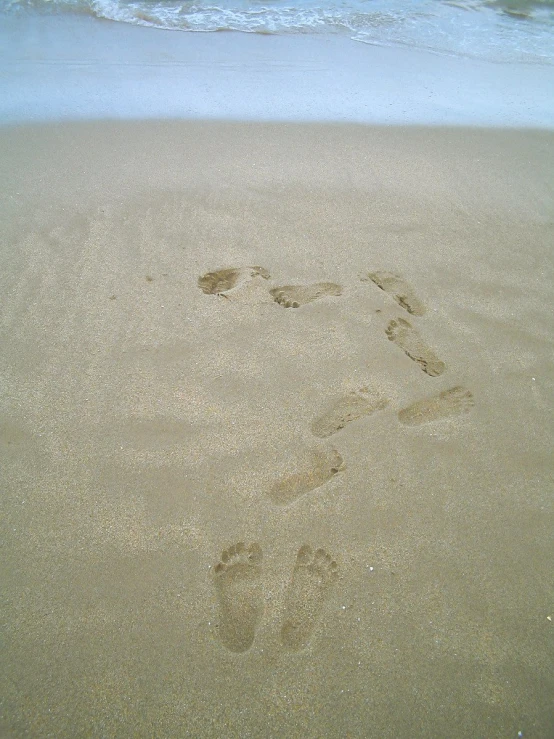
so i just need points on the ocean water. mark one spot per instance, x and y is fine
(492, 30)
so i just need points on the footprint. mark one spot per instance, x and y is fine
(453, 402)
(314, 468)
(398, 289)
(293, 296)
(312, 576)
(238, 586)
(349, 408)
(216, 283)
(408, 339)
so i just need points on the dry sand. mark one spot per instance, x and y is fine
(226, 517)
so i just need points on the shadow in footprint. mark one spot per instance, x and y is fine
(399, 290)
(405, 336)
(448, 404)
(312, 577)
(239, 592)
(293, 296)
(349, 408)
(217, 283)
(314, 467)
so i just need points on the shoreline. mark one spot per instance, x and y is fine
(78, 68)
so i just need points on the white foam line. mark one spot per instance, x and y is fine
(81, 68)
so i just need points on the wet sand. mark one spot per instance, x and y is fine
(68, 66)
(276, 422)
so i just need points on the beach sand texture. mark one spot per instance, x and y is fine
(276, 429)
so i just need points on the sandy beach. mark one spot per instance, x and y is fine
(277, 430)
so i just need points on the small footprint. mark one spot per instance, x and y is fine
(238, 587)
(312, 576)
(216, 283)
(450, 403)
(398, 289)
(293, 296)
(408, 339)
(349, 408)
(314, 468)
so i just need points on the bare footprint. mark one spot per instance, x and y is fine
(238, 587)
(399, 290)
(314, 468)
(450, 403)
(217, 283)
(312, 576)
(349, 408)
(293, 296)
(404, 335)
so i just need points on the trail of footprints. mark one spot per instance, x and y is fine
(238, 575)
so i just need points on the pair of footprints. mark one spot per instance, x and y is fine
(238, 585)
(289, 296)
(399, 331)
(317, 466)
(447, 404)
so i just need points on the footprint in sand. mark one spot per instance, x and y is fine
(349, 408)
(404, 335)
(314, 468)
(454, 402)
(239, 592)
(399, 290)
(217, 283)
(313, 574)
(293, 296)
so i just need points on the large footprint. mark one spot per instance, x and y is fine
(399, 290)
(220, 282)
(450, 403)
(312, 576)
(314, 468)
(293, 296)
(349, 408)
(404, 335)
(238, 587)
